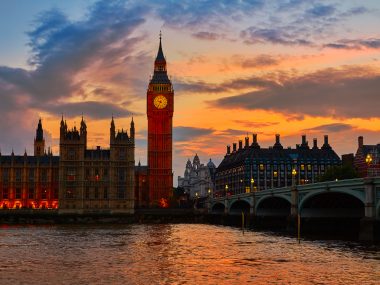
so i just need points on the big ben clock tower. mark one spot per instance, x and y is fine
(160, 107)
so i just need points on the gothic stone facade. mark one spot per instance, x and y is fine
(96, 180)
(30, 181)
(198, 179)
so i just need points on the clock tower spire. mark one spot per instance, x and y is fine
(160, 108)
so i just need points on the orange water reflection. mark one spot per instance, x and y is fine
(177, 254)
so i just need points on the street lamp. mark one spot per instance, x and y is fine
(294, 173)
(252, 182)
(368, 160)
(209, 192)
(226, 189)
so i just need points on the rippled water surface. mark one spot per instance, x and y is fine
(177, 254)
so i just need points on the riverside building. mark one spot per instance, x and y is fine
(249, 167)
(198, 179)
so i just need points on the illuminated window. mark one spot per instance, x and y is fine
(275, 174)
(309, 167)
(261, 167)
(302, 167)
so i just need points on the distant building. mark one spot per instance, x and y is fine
(198, 179)
(252, 168)
(367, 159)
(30, 181)
(99, 180)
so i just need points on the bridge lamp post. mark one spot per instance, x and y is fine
(294, 173)
(252, 182)
(226, 189)
(368, 160)
(209, 192)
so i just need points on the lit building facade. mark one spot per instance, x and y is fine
(30, 181)
(100, 180)
(367, 159)
(198, 179)
(160, 109)
(252, 168)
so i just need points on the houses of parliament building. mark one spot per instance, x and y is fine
(76, 181)
(82, 180)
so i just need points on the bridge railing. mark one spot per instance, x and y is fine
(356, 182)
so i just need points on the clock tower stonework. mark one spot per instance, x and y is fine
(160, 108)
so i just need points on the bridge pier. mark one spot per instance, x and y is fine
(293, 218)
(368, 223)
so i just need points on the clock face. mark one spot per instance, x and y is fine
(160, 102)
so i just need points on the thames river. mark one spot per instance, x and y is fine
(177, 254)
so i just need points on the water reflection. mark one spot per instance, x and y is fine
(177, 254)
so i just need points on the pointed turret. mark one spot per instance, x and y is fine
(132, 129)
(160, 54)
(39, 131)
(39, 141)
(112, 131)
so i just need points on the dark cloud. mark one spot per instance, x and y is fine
(284, 36)
(347, 92)
(92, 109)
(299, 23)
(210, 36)
(236, 84)
(182, 133)
(332, 128)
(210, 13)
(371, 43)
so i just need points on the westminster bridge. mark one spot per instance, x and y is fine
(344, 199)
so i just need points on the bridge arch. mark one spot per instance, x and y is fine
(218, 208)
(332, 204)
(239, 206)
(276, 205)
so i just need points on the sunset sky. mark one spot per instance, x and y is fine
(290, 67)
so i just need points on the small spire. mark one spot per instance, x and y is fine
(25, 154)
(160, 54)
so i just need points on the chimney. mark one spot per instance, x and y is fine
(254, 138)
(228, 149)
(246, 142)
(303, 139)
(326, 140)
(315, 143)
(234, 147)
(360, 142)
(277, 138)
(240, 144)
